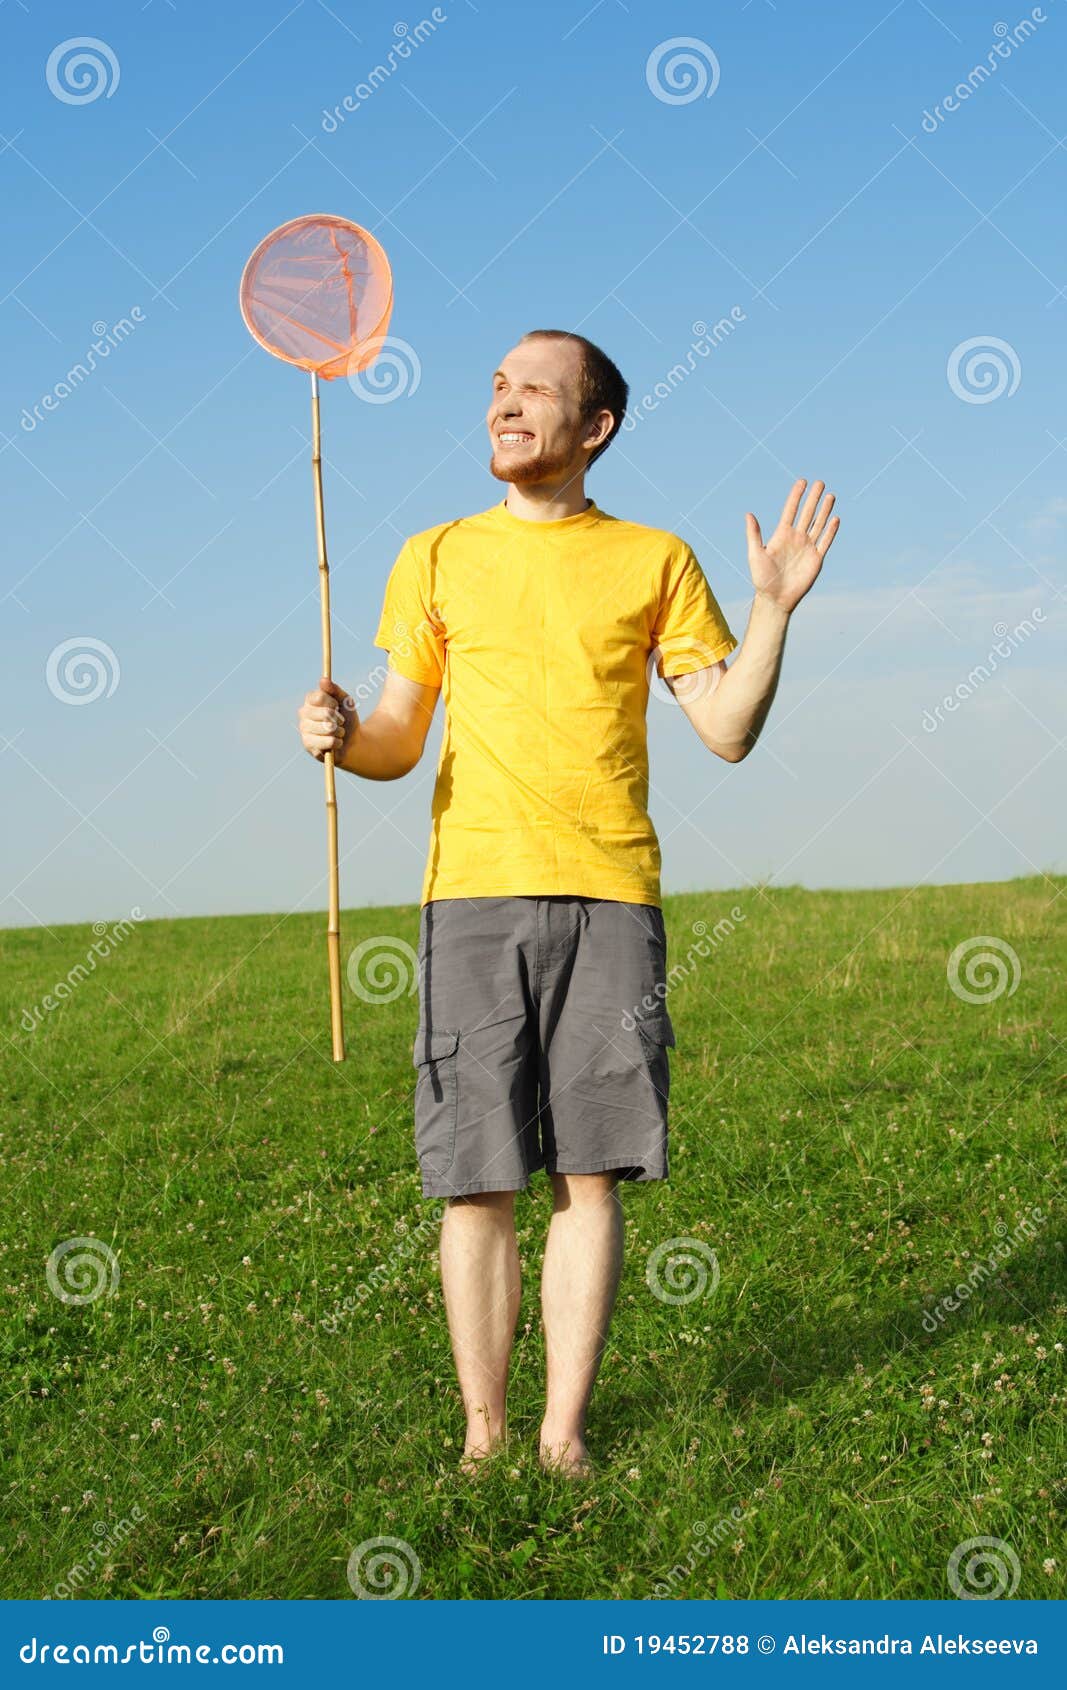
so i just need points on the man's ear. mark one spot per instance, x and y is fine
(598, 430)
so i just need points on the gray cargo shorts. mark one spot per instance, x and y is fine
(542, 1042)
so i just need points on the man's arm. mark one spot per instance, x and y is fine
(384, 747)
(728, 707)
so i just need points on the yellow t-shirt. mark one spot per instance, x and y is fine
(542, 636)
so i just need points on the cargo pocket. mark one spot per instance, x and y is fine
(657, 1037)
(436, 1099)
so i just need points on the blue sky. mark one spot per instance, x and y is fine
(523, 169)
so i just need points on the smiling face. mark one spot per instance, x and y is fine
(537, 429)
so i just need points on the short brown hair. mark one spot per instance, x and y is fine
(601, 383)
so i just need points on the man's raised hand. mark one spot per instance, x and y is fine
(786, 567)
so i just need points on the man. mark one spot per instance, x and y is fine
(542, 941)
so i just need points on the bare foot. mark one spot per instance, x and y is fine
(567, 1456)
(478, 1449)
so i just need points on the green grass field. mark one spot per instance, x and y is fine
(233, 1416)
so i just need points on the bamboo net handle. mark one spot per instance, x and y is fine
(333, 924)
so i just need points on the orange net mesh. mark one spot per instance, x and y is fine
(318, 292)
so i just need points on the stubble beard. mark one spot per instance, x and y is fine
(520, 469)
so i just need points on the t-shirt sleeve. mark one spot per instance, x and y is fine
(690, 631)
(408, 630)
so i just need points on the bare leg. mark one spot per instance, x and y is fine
(583, 1263)
(480, 1280)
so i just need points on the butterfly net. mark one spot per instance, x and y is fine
(318, 292)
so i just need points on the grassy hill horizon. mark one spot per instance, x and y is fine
(1053, 877)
